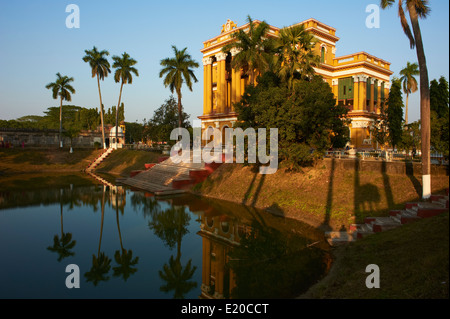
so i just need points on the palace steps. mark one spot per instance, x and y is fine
(437, 204)
(168, 177)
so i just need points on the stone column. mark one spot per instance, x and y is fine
(235, 82)
(355, 92)
(207, 85)
(379, 97)
(362, 92)
(372, 92)
(221, 82)
(334, 88)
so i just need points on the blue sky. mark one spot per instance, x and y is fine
(35, 44)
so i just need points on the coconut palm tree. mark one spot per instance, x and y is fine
(62, 246)
(254, 49)
(124, 258)
(177, 277)
(101, 264)
(100, 68)
(178, 70)
(63, 89)
(409, 82)
(295, 59)
(123, 74)
(418, 9)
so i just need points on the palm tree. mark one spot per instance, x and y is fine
(62, 246)
(178, 70)
(418, 9)
(409, 82)
(63, 89)
(124, 258)
(295, 58)
(124, 68)
(101, 264)
(254, 49)
(100, 68)
(177, 277)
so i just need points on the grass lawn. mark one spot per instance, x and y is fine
(413, 262)
(121, 162)
(18, 160)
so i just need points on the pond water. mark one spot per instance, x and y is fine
(129, 244)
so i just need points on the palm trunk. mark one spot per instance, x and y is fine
(118, 226)
(117, 113)
(101, 227)
(101, 112)
(180, 107)
(406, 109)
(60, 124)
(424, 102)
(61, 208)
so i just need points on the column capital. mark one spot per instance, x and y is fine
(334, 82)
(235, 51)
(362, 77)
(221, 56)
(206, 61)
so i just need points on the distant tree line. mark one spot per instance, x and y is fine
(74, 118)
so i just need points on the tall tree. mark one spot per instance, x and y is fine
(295, 58)
(254, 49)
(62, 88)
(100, 68)
(409, 82)
(439, 105)
(123, 74)
(439, 97)
(394, 112)
(418, 9)
(178, 70)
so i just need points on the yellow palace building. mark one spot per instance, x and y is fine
(360, 81)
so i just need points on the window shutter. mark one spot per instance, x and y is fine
(375, 90)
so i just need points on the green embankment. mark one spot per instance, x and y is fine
(413, 263)
(321, 196)
(122, 162)
(28, 160)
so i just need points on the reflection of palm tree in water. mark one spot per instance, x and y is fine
(171, 226)
(101, 262)
(123, 257)
(63, 245)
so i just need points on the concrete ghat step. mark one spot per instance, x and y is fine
(426, 210)
(339, 237)
(384, 223)
(408, 216)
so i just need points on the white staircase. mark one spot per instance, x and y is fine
(99, 159)
(158, 179)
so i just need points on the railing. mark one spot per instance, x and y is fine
(436, 158)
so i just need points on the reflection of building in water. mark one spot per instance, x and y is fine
(220, 234)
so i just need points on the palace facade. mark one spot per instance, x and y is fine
(359, 81)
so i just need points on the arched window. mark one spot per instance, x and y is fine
(322, 54)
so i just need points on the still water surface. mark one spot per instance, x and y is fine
(129, 244)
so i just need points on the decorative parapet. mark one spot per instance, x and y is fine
(359, 58)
